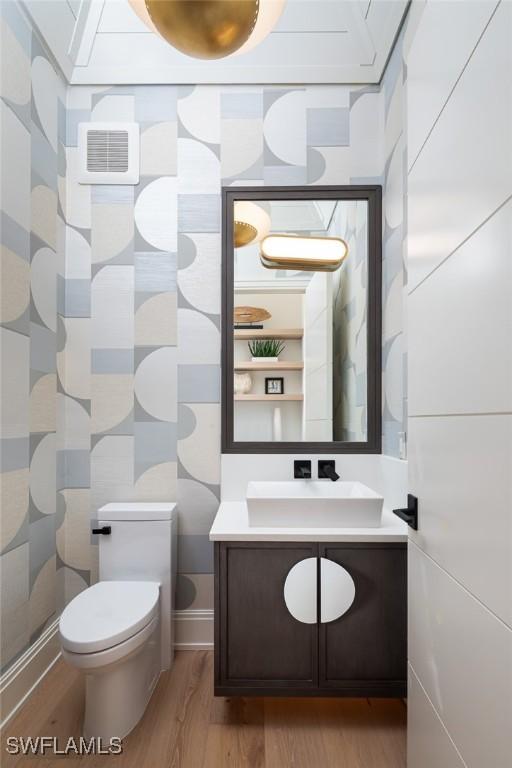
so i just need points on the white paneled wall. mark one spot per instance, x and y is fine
(436, 62)
(459, 123)
(461, 175)
(432, 745)
(467, 303)
(462, 655)
(460, 468)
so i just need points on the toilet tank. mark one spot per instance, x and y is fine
(141, 546)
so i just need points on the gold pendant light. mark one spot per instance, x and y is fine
(303, 254)
(205, 29)
(243, 234)
(210, 29)
(251, 223)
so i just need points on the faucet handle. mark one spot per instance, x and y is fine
(302, 469)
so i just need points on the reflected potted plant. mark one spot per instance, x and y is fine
(265, 350)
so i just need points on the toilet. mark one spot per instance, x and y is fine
(119, 632)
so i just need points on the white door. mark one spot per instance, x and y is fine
(459, 130)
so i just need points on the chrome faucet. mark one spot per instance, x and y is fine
(327, 468)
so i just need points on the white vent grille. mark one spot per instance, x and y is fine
(108, 153)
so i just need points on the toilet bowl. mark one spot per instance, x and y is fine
(118, 632)
(110, 632)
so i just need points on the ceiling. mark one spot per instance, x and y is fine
(301, 215)
(103, 42)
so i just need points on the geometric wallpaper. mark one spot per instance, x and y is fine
(350, 297)
(32, 111)
(144, 307)
(111, 328)
(394, 265)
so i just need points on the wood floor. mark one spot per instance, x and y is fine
(186, 727)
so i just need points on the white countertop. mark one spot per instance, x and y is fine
(232, 524)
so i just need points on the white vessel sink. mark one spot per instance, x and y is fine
(313, 504)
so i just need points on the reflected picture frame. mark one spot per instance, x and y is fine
(372, 194)
(274, 385)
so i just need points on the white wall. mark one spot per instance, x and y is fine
(459, 123)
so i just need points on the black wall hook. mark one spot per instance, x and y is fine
(410, 514)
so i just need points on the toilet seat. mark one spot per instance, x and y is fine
(107, 614)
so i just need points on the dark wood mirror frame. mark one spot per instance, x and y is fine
(373, 195)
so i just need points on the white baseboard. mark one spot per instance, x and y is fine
(19, 681)
(193, 630)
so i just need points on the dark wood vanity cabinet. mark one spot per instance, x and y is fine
(258, 643)
(261, 649)
(364, 653)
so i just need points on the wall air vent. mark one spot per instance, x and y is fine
(108, 153)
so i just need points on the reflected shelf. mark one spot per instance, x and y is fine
(268, 333)
(266, 398)
(279, 366)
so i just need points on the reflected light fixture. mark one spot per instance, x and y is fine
(210, 29)
(251, 223)
(303, 254)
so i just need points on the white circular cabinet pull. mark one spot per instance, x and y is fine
(337, 590)
(300, 591)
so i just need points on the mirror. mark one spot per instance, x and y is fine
(301, 319)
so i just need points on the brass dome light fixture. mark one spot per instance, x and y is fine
(210, 29)
(250, 223)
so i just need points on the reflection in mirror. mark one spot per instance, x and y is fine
(300, 298)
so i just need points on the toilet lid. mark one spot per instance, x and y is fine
(107, 613)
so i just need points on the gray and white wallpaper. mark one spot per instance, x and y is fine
(145, 310)
(32, 114)
(394, 268)
(350, 302)
(111, 303)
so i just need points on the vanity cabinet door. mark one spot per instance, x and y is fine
(259, 646)
(366, 648)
